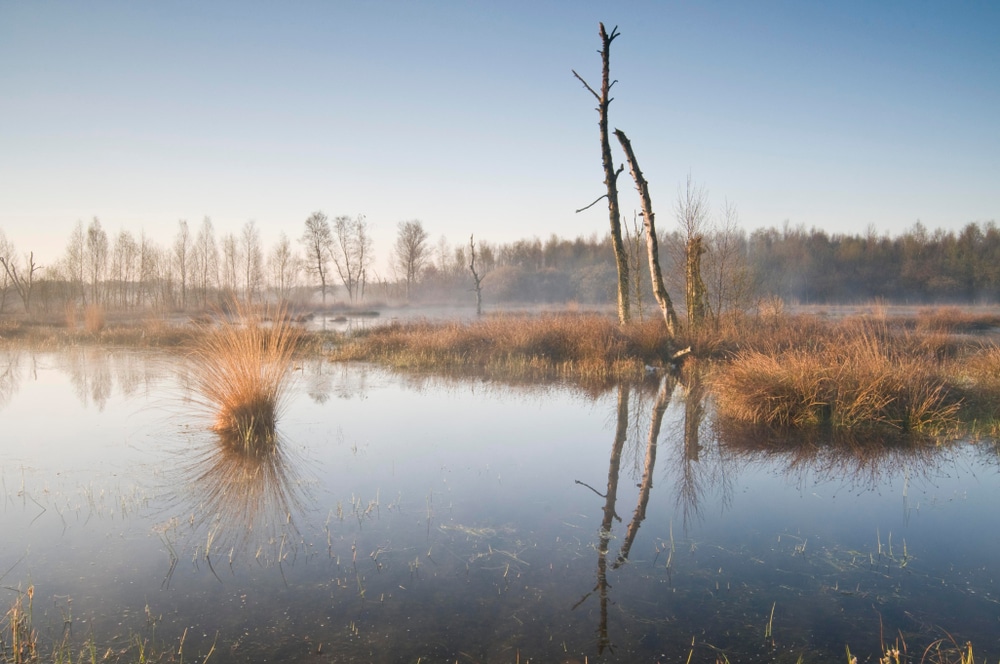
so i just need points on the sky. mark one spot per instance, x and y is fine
(842, 116)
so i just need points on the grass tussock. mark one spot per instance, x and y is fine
(241, 367)
(93, 318)
(858, 375)
(586, 347)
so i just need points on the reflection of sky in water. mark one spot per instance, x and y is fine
(431, 518)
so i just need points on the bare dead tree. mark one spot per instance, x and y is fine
(23, 280)
(652, 248)
(476, 276)
(692, 215)
(610, 174)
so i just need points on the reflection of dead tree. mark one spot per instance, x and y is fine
(688, 488)
(610, 498)
(659, 408)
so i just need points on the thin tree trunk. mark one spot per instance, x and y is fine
(610, 174)
(652, 248)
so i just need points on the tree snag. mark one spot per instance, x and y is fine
(477, 278)
(610, 174)
(652, 249)
(696, 291)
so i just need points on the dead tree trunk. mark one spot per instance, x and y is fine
(696, 292)
(477, 278)
(610, 174)
(648, 219)
(23, 282)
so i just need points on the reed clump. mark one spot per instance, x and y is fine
(241, 368)
(860, 375)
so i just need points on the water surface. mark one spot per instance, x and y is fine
(405, 519)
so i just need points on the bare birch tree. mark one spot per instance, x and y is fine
(317, 242)
(411, 252)
(97, 259)
(283, 266)
(206, 261)
(253, 260)
(352, 253)
(182, 258)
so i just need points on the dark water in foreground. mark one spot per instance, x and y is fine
(406, 520)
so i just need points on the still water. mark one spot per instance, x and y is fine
(416, 519)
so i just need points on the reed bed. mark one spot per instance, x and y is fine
(858, 375)
(241, 367)
(585, 347)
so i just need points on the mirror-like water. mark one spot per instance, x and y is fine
(421, 520)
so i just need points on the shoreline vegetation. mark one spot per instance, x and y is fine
(929, 371)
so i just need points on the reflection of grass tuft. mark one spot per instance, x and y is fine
(241, 367)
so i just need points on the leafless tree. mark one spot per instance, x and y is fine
(230, 264)
(253, 260)
(149, 258)
(22, 278)
(317, 242)
(97, 258)
(182, 258)
(477, 275)
(727, 266)
(6, 254)
(411, 252)
(610, 174)
(352, 253)
(124, 257)
(283, 265)
(692, 214)
(206, 261)
(75, 260)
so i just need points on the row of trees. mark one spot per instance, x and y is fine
(126, 271)
(130, 272)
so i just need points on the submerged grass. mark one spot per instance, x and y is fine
(241, 366)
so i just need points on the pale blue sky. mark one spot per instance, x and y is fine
(465, 115)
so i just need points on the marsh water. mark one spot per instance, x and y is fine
(404, 519)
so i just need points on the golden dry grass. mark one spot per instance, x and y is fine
(858, 374)
(241, 366)
(585, 347)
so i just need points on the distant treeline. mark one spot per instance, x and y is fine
(740, 269)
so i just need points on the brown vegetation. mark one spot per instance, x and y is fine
(589, 348)
(240, 370)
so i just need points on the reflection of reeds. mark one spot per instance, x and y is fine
(240, 369)
(243, 492)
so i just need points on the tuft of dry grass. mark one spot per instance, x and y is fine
(860, 375)
(241, 368)
(93, 318)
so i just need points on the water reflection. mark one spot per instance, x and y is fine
(10, 375)
(609, 513)
(239, 499)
